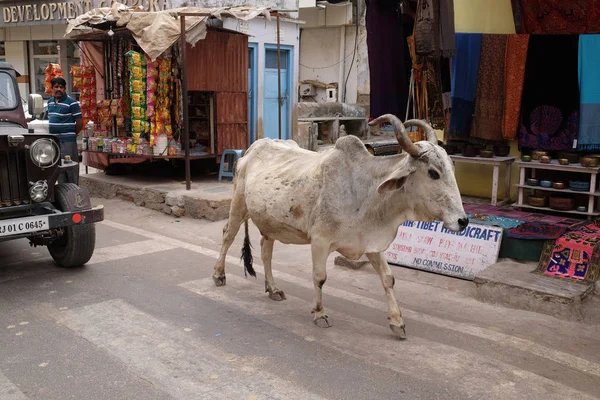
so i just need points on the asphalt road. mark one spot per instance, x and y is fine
(144, 321)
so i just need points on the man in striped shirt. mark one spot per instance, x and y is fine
(65, 121)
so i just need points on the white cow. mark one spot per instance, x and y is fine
(343, 200)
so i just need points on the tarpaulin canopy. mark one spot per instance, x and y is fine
(155, 32)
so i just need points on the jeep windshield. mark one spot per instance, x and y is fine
(8, 92)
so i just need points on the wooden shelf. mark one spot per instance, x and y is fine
(596, 193)
(554, 165)
(553, 210)
(593, 194)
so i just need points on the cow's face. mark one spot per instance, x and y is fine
(425, 179)
(429, 186)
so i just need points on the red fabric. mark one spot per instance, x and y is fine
(560, 16)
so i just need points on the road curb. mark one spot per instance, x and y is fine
(512, 284)
(172, 202)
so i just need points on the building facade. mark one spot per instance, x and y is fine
(333, 49)
(263, 113)
(32, 35)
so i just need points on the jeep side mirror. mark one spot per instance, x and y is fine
(35, 105)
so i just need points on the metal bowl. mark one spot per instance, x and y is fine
(591, 162)
(559, 185)
(537, 201)
(486, 153)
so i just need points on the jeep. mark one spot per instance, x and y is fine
(33, 204)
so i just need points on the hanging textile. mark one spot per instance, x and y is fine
(514, 75)
(426, 96)
(561, 16)
(550, 103)
(489, 101)
(385, 43)
(434, 28)
(589, 85)
(447, 29)
(465, 69)
(517, 15)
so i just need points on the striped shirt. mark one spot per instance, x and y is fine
(62, 115)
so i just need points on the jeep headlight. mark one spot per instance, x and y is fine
(45, 153)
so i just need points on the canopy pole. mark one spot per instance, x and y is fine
(279, 102)
(184, 94)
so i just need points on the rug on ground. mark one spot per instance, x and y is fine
(574, 256)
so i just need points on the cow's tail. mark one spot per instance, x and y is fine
(247, 253)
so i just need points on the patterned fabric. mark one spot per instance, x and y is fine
(482, 212)
(575, 255)
(550, 103)
(560, 16)
(489, 103)
(537, 230)
(589, 85)
(494, 220)
(514, 75)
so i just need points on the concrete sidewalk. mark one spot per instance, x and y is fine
(508, 283)
(207, 198)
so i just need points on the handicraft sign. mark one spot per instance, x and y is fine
(431, 247)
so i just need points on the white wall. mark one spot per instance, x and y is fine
(321, 59)
(16, 54)
(264, 32)
(275, 4)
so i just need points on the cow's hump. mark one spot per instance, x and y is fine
(351, 145)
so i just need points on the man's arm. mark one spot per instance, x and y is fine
(78, 125)
(76, 113)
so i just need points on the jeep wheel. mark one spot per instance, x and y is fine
(76, 246)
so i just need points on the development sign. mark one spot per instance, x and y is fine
(431, 247)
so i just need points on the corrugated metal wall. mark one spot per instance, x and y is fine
(219, 63)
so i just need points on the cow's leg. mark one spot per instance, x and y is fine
(387, 279)
(266, 252)
(319, 259)
(237, 215)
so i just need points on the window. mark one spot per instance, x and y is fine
(43, 52)
(271, 59)
(8, 93)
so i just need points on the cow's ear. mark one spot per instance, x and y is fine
(395, 180)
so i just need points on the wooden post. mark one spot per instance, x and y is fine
(186, 129)
(279, 75)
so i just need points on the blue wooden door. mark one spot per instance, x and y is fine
(251, 95)
(270, 117)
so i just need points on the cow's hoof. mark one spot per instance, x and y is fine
(322, 322)
(220, 280)
(277, 295)
(399, 331)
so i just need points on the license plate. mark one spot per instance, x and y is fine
(23, 225)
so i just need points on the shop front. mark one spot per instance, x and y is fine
(32, 34)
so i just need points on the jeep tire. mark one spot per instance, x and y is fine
(76, 246)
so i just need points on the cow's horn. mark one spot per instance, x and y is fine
(401, 134)
(431, 136)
